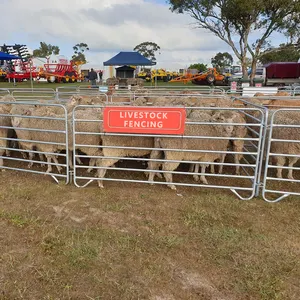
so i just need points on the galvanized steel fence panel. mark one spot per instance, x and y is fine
(26, 133)
(281, 177)
(108, 149)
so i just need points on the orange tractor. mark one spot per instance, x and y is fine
(210, 77)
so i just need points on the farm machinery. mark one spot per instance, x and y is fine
(61, 72)
(209, 77)
(24, 68)
(159, 74)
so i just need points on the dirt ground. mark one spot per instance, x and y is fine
(134, 241)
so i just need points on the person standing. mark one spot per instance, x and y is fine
(92, 77)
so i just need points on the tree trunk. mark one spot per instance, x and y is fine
(253, 71)
(244, 68)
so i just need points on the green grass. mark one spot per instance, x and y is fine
(55, 85)
(39, 85)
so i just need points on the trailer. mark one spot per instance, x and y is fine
(281, 73)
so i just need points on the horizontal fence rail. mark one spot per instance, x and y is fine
(34, 95)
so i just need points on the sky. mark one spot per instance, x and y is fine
(108, 27)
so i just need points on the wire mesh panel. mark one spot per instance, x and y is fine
(217, 150)
(282, 176)
(34, 138)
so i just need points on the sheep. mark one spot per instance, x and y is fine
(192, 144)
(89, 139)
(5, 121)
(58, 138)
(187, 101)
(121, 141)
(199, 116)
(30, 135)
(286, 133)
(71, 103)
(238, 131)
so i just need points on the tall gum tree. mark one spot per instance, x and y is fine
(237, 22)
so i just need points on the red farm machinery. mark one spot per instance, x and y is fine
(23, 69)
(61, 72)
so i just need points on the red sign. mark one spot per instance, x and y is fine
(233, 85)
(156, 120)
(258, 85)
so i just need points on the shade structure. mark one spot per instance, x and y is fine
(129, 59)
(6, 56)
(125, 72)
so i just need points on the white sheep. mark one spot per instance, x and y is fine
(193, 144)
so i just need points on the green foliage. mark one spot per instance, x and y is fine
(291, 26)
(79, 50)
(234, 21)
(221, 60)
(199, 67)
(148, 50)
(46, 50)
(285, 53)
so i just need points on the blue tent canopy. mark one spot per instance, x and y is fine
(6, 56)
(129, 59)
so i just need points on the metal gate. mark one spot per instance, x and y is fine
(214, 142)
(281, 177)
(29, 130)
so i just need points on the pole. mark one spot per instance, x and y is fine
(31, 81)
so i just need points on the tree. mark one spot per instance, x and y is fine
(236, 22)
(200, 67)
(148, 49)
(283, 53)
(221, 60)
(46, 50)
(291, 27)
(79, 50)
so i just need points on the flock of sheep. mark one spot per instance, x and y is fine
(222, 124)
